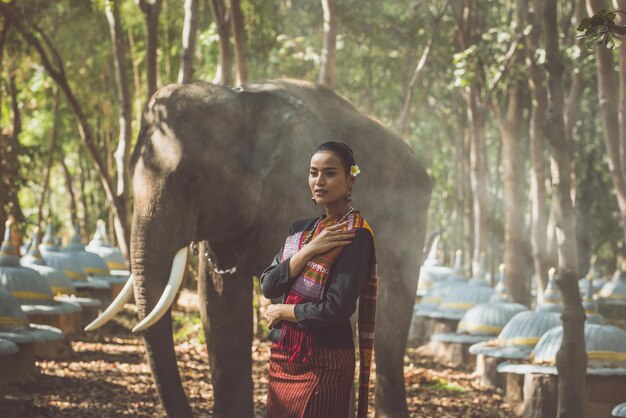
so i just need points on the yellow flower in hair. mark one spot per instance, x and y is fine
(354, 170)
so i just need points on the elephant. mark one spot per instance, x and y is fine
(228, 168)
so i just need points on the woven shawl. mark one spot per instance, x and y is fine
(310, 286)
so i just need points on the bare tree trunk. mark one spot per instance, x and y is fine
(53, 64)
(607, 86)
(538, 223)
(11, 153)
(223, 75)
(83, 195)
(70, 193)
(514, 228)
(239, 33)
(136, 75)
(328, 64)
(402, 123)
(478, 174)
(125, 103)
(190, 30)
(151, 10)
(51, 151)
(571, 361)
(459, 181)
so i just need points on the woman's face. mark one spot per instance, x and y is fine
(327, 178)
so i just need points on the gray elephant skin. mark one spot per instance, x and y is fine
(229, 167)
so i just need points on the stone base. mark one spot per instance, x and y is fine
(540, 395)
(68, 323)
(422, 328)
(514, 391)
(19, 367)
(486, 368)
(50, 350)
(452, 354)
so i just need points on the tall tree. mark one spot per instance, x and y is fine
(151, 10)
(571, 360)
(190, 29)
(514, 227)
(539, 95)
(221, 17)
(125, 106)
(52, 145)
(328, 63)
(610, 87)
(239, 33)
(470, 26)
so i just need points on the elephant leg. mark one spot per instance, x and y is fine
(395, 301)
(226, 310)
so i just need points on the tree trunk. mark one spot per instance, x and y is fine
(83, 194)
(190, 30)
(51, 151)
(125, 104)
(478, 174)
(136, 75)
(328, 64)
(11, 153)
(53, 64)
(239, 33)
(70, 193)
(458, 241)
(223, 75)
(571, 361)
(538, 222)
(608, 85)
(514, 228)
(151, 10)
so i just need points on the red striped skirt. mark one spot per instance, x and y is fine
(321, 387)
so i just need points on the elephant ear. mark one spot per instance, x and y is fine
(271, 116)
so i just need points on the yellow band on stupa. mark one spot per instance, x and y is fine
(12, 322)
(520, 341)
(24, 294)
(465, 326)
(95, 270)
(58, 290)
(606, 356)
(457, 305)
(113, 265)
(74, 275)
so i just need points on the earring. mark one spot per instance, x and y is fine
(349, 195)
(313, 200)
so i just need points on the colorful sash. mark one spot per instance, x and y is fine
(310, 286)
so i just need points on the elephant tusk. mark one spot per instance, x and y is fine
(115, 306)
(169, 293)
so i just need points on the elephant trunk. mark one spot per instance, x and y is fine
(153, 252)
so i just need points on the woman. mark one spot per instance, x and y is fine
(324, 266)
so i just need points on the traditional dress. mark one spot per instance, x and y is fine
(312, 363)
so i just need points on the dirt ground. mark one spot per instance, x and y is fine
(106, 375)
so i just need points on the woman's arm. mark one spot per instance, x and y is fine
(278, 277)
(347, 278)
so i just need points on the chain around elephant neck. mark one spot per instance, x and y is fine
(209, 259)
(312, 231)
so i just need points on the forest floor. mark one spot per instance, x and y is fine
(106, 375)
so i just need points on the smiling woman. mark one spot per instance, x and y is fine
(324, 266)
